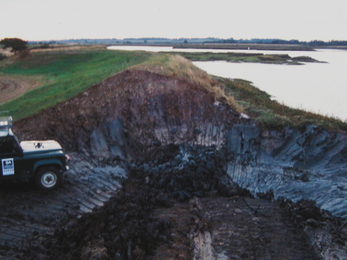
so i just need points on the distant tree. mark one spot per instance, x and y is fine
(44, 46)
(316, 43)
(337, 43)
(15, 43)
(294, 42)
(185, 41)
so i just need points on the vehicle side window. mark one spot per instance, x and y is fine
(8, 146)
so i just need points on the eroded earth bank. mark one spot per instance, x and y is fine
(162, 169)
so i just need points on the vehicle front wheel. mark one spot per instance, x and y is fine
(48, 178)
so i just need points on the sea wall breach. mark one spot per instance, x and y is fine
(135, 114)
(170, 137)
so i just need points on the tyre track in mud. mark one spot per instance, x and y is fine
(246, 228)
(232, 228)
(26, 211)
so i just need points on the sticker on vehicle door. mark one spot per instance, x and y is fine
(7, 167)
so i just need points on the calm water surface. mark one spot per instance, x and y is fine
(316, 87)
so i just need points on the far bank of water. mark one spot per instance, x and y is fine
(315, 87)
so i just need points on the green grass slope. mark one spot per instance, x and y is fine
(65, 73)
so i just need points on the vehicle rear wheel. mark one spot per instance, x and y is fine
(48, 178)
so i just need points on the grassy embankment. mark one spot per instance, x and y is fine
(67, 73)
(63, 74)
(241, 95)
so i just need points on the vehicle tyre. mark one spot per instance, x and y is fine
(48, 178)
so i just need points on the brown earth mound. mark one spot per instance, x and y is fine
(152, 109)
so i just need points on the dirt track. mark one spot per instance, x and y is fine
(12, 87)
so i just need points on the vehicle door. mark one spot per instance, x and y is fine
(11, 159)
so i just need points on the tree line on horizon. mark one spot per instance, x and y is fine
(19, 44)
(280, 41)
(193, 40)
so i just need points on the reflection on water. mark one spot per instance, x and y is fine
(316, 87)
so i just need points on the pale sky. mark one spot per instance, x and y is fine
(239, 19)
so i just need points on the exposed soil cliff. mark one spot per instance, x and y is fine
(130, 114)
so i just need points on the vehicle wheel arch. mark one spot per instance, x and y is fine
(47, 163)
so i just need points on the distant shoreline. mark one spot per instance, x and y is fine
(237, 46)
(256, 46)
(246, 46)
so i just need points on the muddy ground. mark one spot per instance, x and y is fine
(190, 211)
(149, 180)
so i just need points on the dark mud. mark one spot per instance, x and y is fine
(129, 226)
(125, 225)
(163, 171)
